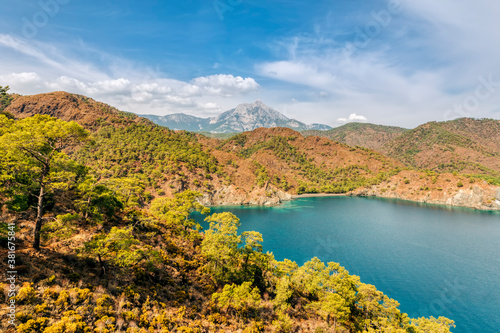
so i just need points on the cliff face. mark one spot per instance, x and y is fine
(230, 196)
(443, 189)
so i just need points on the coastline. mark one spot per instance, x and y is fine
(317, 195)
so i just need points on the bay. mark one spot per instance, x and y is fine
(434, 260)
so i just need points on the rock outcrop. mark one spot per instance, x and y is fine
(230, 196)
(478, 195)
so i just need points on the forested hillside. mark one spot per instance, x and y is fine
(253, 167)
(470, 146)
(95, 255)
(360, 134)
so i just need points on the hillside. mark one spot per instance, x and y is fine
(244, 117)
(465, 145)
(360, 134)
(111, 258)
(262, 167)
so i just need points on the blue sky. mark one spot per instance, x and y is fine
(393, 62)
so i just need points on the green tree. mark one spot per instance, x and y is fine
(240, 300)
(220, 246)
(34, 158)
(118, 246)
(5, 100)
(177, 210)
(253, 258)
(97, 201)
(430, 325)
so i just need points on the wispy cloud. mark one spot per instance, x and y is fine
(426, 58)
(137, 90)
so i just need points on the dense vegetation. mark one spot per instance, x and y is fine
(312, 177)
(360, 134)
(148, 152)
(469, 146)
(107, 263)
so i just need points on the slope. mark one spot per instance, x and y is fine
(463, 145)
(360, 134)
(260, 167)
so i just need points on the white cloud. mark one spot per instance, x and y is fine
(297, 72)
(21, 78)
(118, 83)
(225, 85)
(352, 117)
(428, 58)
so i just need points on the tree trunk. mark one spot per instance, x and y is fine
(39, 218)
(103, 269)
(39, 210)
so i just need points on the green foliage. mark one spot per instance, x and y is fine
(118, 246)
(26, 294)
(5, 100)
(220, 247)
(283, 323)
(261, 174)
(431, 325)
(33, 325)
(34, 162)
(71, 322)
(145, 152)
(242, 299)
(63, 227)
(96, 200)
(177, 210)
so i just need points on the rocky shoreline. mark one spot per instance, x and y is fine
(479, 197)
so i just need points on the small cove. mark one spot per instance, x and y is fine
(434, 260)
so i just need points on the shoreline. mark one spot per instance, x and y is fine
(318, 195)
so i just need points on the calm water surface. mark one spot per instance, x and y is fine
(433, 260)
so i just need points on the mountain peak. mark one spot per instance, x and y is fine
(244, 117)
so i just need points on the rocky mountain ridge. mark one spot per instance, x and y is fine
(262, 167)
(244, 117)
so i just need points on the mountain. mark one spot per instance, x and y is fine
(360, 134)
(262, 166)
(245, 117)
(463, 145)
(118, 253)
(180, 121)
(257, 167)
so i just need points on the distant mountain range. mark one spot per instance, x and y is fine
(463, 145)
(244, 117)
(265, 166)
(466, 145)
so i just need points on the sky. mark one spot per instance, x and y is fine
(391, 62)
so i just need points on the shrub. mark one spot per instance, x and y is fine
(33, 325)
(26, 294)
(71, 322)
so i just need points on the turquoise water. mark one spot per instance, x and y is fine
(433, 260)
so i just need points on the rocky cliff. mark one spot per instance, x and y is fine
(443, 189)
